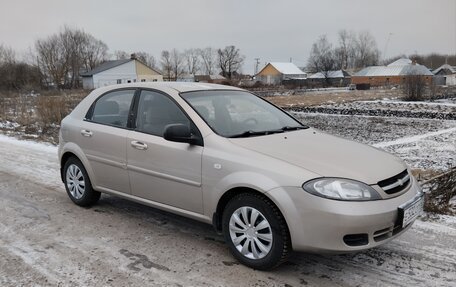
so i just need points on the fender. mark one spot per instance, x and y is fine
(76, 150)
(241, 179)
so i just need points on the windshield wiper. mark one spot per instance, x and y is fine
(255, 133)
(288, 128)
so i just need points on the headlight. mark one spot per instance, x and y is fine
(341, 189)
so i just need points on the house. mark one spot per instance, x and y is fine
(338, 78)
(446, 75)
(119, 72)
(213, 79)
(274, 73)
(392, 74)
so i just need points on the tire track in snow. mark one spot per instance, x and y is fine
(407, 140)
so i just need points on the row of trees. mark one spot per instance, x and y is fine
(353, 51)
(174, 63)
(206, 61)
(59, 59)
(62, 57)
(15, 74)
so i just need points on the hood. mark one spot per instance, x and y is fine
(326, 155)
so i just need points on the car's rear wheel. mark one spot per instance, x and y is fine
(255, 231)
(77, 183)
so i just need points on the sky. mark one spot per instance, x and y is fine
(272, 30)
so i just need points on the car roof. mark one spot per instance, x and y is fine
(178, 86)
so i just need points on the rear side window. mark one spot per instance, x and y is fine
(113, 108)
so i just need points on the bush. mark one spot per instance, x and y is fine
(414, 88)
(440, 190)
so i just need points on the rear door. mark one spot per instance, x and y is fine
(103, 138)
(160, 170)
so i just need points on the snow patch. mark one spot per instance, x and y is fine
(413, 139)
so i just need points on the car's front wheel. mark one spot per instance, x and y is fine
(77, 183)
(256, 231)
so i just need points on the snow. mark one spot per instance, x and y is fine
(422, 143)
(330, 74)
(425, 255)
(412, 103)
(31, 160)
(400, 62)
(413, 139)
(9, 125)
(287, 68)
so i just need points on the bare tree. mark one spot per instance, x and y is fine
(61, 57)
(192, 61)
(166, 65)
(414, 87)
(7, 63)
(230, 60)
(94, 52)
(15, 74)
(208, 58)
(7, 55)
(51, 60)
(367, 53)
(146, 59)
(121, 55)
(345, 53)
(176, 64)
(322, 57)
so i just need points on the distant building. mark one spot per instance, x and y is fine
(275, 73)
(119, 72)
(212, 79)
(338, 78)
(447, 74)
(393, 74)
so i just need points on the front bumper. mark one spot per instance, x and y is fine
(319, 224)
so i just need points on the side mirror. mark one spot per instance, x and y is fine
(180, 133)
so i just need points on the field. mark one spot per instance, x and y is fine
(425, 137)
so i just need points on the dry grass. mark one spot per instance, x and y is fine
(38, 115)
(320, 97)
(440, 190)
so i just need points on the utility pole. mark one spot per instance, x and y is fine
(257, 63)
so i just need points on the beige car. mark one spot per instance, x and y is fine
(224, 156)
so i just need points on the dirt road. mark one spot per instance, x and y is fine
(45, 240)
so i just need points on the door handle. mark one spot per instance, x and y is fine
(139, 145)
(86, 133)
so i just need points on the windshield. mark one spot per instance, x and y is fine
(239, 113)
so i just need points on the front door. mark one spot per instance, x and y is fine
(160, 170)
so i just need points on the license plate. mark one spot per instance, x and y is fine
(410, 211)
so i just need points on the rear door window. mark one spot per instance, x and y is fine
(113, 108)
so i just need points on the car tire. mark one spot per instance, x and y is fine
(261, 241)
(77, 183)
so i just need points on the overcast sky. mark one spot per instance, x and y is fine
(273, 30)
